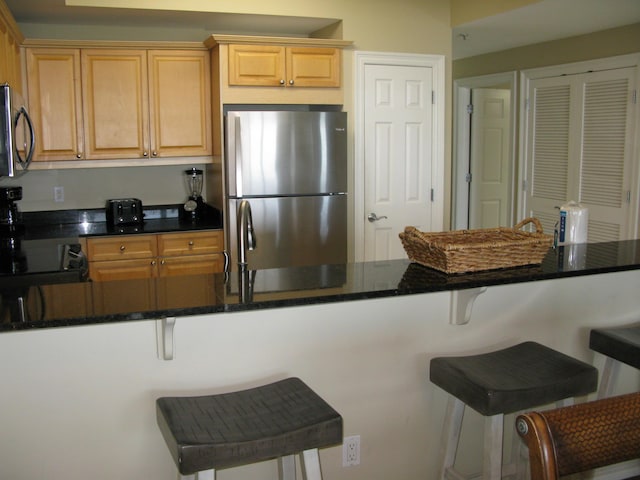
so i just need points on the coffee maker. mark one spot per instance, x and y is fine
(10, 216)
(195, 209)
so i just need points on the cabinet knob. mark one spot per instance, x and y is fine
(78, 155)
(122, 247)
(153, 263)
(162, 262)
(282, 82)
(154, 153)
(290, 82)
(190, 243)
(145, 154)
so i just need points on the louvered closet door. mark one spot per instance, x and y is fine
(579, 148)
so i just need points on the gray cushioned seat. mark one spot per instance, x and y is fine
(513, 379)
(237, 428)
(622, 344)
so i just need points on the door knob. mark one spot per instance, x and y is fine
(372, 217)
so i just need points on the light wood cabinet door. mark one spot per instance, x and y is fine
(180, 103)
(188, 292)
(313, 67)
(55, 103)
(189, 243)
(123, 296)
(115, 103)
(10, 61)
(190, 265)
(272, 66)
(126, 247)
(257, 65)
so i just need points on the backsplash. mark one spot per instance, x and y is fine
(91, 188)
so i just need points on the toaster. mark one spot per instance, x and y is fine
(124, 211)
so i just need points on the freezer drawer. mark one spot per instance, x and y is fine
(293, 231)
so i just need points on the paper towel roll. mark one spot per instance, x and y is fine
(574, 223)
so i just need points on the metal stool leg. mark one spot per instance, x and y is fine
(287, 467)
(311, 465)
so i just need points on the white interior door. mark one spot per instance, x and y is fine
(398, 156)
(490, 161)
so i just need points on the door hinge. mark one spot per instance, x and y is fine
(634, 97)
(470, 108)
(467, 178)
(526, 105)
(433, 97)
(628, 196)
(432, 195)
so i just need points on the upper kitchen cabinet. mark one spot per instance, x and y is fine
(275, 66)
(10, 40)
(277, 70)
(115, 94)
(140, 104)
(132, 104)
(180, 103)
(55, 102)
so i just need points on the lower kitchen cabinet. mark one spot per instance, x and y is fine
(120, 268)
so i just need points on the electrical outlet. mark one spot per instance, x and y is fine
(58, 194)
(351, 451)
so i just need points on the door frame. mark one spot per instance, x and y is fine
(437, 64)
(462, 139)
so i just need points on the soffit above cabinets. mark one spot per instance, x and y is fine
(58, 12)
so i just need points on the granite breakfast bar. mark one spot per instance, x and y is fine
(78, 393)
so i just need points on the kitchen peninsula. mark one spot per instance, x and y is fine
(88, 385)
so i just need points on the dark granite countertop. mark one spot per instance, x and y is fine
(93, 222)
(276, 288)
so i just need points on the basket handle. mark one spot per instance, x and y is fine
(527, 221)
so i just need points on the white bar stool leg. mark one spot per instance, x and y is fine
(493, 430)
(187, 477)
(206, 475)
(609, 376)
(311, 465)
(451, 433)
(287, 467)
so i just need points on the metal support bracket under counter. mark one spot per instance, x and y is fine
(164, 338)
(462, 303)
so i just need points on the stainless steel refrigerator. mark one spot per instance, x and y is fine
(286, 184)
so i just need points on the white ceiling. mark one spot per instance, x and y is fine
(541, 22)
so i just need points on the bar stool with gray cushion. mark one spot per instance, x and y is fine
(620, 345)
(505, 381)
(278, 420)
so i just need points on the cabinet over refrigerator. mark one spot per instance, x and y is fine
(286, 184)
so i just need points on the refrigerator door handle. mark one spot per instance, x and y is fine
(246, 234)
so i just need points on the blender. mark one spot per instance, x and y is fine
(194, 208)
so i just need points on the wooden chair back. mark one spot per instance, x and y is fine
(581, 437)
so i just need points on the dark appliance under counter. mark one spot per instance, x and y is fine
(26, 265)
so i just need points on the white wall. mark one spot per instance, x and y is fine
(78, 402)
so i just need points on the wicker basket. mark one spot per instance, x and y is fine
(462, 251)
